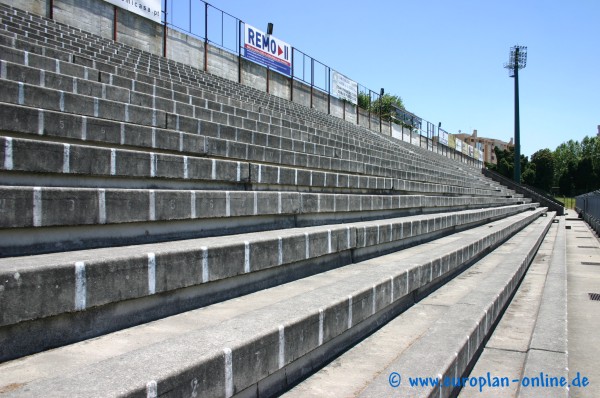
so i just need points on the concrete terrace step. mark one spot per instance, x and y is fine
(94, 107)
(132, 85)
(41, 219)
(103, 98)
(531, 336)
(438, 337)
(220, 258)
(64, 160)
(262, 343)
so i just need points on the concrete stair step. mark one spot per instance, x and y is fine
(531, 336)
(122, 273)
(33, 157)
(436, 338)
(261, 343)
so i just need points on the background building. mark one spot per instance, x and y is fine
(487, 145)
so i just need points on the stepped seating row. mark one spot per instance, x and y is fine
(257, 345)
(137, 76)
(212, 239)
(533, 333)
(165, 164)
(104, 105)
(18, 93)
(140, 271)
(439, 337)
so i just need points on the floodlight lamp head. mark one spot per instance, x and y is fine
(517, 59)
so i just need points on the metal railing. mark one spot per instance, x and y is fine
(220, 29)
(519, 188)
(588, 208)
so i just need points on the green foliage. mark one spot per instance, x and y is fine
(383, 105)
(543, 165)
(577, 166)
(574, 167)
(364, 101)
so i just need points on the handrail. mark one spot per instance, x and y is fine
(519, 188)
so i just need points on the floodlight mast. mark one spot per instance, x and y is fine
(517, 60)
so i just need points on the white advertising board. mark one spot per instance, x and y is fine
(344, 88)
(150, 9)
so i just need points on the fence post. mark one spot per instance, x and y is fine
(312, 79)
(292, 78)
(205, 37)
(115, 21)
(329, 96)
(239, 47)
(357, 107)
(164, 31)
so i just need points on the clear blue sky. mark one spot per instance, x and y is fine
(445, 58)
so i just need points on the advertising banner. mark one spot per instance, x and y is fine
(344, 88)
(459, 145)
(267, 50)
(150, 9)
(451, 141)
(443, 137)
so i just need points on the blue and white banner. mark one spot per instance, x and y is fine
(267, 50)
(150, 9)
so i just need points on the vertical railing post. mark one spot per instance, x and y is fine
(329, 95)
(206, 37)
(357, 107)
(370, 108)
(115, 22)
(239, 48)
(312, 80)
(292, 78)
(164, 32)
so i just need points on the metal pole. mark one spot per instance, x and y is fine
(370, 109)
(357, 107)
(51, 11)
(239, 51)
(329, 95)
(517, 167)
(115, 21)
(380, 110)
(164, 32)
(205, 37)
(292, 78)
(312, 80)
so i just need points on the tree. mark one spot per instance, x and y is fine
(387, 102)
(528, 175)
(543, 162)
(384, 105)
(364, 101)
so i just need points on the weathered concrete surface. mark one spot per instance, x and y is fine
(254, 337)
(422, 339)
(506, 352)
(584, 322)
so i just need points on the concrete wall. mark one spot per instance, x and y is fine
(184, 48)
(88, 15)
(138, 32)
(39, 7)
